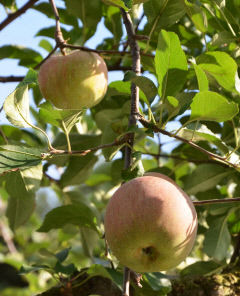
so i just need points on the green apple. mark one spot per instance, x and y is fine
(74, 81)
(150, 224)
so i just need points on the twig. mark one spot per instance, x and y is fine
(211, 155)
(11, 17)
(216, 201)
(50, 53)
(85, 152)
(136, 67)
(7, 238)
(5, 79)
(58, 33)
(11, 78)
(157, 155)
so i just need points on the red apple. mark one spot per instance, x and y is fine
(150, 224)
(74, 81)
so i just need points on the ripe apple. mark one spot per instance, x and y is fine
(74, 81)
(150, 224)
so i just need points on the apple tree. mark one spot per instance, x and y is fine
(171, 107)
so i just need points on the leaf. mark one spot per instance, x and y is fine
(21, 186)
(201, 268)
(217, 239)
(208, 105)
(112, 22)
(202, 133)
(27, 56)
(78, 214)
(16, 107)
(18, 157)
(197, 15)
(58, 117)
(90, 13)
(144, 83)
(220, 66)
(78, 170)
(204, 177)
(221, 38)
(164, 13)
(201, 77)
(170, 63)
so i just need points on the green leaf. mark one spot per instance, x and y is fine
(144, 83)
(16, 107)
(217, 239)
(27, 56)
(201, 268)
(58, 117)
(197, 15)
(220, 67)
(211, 106)
(18, 157)
(21, 186)
(170, 63)
(90, 13)
(78, 170)
(78, 214)
(204, 177)
(112, 21)
(62, 255)
(202, 133)
(221, 38)
(164, 13)
(201, 77)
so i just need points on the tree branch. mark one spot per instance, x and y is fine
(136, 67)
(5, 79)
(216, 201)
(211, 155)
(11, 17)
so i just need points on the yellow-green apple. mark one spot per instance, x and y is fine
(74, 81)
(150, 224)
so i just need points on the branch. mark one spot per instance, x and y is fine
(58, 33)
(85, 152)
(5, 79)
(11, 17)
(211, 155)
(157, 155)
(136, 67)
(216, 201)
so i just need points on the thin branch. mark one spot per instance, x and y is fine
(157, 155)
(7, 238)
(136, 67)
(58, 33)
(11, 17)
(48, 56)
(85, 152)
(216, 201)
(11, 78)
(5, 79)
(211, 155)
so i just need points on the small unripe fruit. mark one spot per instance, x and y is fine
(150, 224)
(74, 81)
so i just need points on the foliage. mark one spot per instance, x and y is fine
(53, 201)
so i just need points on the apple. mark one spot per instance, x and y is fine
(74, 81)
(150, 224)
